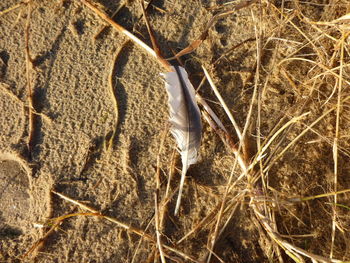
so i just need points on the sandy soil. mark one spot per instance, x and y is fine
(100, 111)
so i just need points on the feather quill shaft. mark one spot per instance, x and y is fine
(185, 119)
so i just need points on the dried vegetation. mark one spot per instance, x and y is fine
(273, 182)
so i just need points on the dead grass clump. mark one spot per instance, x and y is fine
(272, 184)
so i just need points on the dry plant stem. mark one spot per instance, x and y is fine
(212, 114)
(125, 226)
(167, 196)
(29, 87)
(171, 172)
(241, 160)
(335, 145)
(309, 198)
(215, 255)
(149, 4)
(14, 7)
(223, 104)
(140, 241)
(36, 246)
(103, 28)
(290, 249)
(327, 70)
(233, 211)
(122, 30)
(313, 25)
(57, 222)
(261, 96)
(163, 206)
(5, 89)
(158, 235)
(223, 134)
(153, 39)
(277, 133)
(232, 49)
(259, 105)
(227, 140)
(156, 197)
(215, 123)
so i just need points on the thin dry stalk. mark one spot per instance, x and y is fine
(157, 215)
(14, 7)
(309, 198)
(29, 85)
(5, 89)
(241, 162)
(322, 66)
(211, 113)
(336, 138)
(293, 251)
(125, 226)
(153, 39)
(265, 146)
(223, 104)
(167, 196)
(121, 29)
(261, 94)
(140, 241)
(171, 173)
(53, 223)
(223, 134)
(103, 28)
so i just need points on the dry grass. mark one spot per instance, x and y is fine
(294, 126)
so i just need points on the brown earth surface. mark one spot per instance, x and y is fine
(84, 112)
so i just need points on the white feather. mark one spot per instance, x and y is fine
(185, 120)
